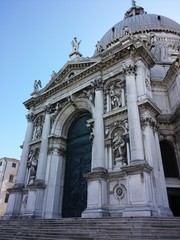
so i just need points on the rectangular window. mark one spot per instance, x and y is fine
(11, 177)
(0, 163)
(13, 165)
(6, 197)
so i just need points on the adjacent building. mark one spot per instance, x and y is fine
(8, 173)
(103, 136)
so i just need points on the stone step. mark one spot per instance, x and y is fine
(91, 229)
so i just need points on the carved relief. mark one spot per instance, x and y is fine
(98, 83)
(89, 94)
(32, 165)
(30, 117)
(119, 191)
(129, 67)
(38, 126)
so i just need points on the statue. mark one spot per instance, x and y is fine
(99, 47)
(133, 3)
(118, 150)
(118, 144)
(32, 165)
(75, 44)
(53, 75)
(37, 84)
(115, 100)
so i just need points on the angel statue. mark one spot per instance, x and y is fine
(75, 44)
(37, 84)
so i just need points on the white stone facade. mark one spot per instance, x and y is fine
(131, 89)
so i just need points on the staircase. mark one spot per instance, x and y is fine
(136, 228)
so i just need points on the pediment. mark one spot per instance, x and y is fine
(68, 71)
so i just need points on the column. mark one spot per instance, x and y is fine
(41, 169)
(54, 191)
(96, 180)
(14, 202)
(99, 155)
(25, 152)
(135, 135)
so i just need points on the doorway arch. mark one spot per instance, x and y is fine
(78, 162)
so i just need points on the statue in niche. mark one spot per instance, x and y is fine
(115, 99)
(38, 127)
(75, 44)
(118, 149)
(32, 165)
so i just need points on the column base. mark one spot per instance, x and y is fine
(95, 213)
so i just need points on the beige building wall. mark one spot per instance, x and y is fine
(8, 173)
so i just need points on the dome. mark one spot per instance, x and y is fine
(138, 23)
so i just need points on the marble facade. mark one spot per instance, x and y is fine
(131, 88)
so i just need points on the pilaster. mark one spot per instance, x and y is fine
(54, 190)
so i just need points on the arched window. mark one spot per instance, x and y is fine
(169, 159)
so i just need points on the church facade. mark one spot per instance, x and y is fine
(103, 136)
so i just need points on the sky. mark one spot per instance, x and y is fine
(35, 39)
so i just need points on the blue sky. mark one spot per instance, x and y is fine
(36, 39)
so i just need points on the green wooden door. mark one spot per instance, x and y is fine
(78, 162)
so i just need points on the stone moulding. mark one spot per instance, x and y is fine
(99, 65)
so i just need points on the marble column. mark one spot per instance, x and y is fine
(96, 180)
(41, 169)
(135, 134)
(20, 180)
(99, 154)
(14, 202)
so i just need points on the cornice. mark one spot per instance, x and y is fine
(172, 72)
(170, 118)
(114, 113)
(106, 60)
(147, 104)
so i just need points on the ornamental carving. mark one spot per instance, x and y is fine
(119, 191)
(56, 151)
(38, 126)
(89, 94)
(30, 117)
(148, 121)
(129, 67)
(98, 83)
(32, 165)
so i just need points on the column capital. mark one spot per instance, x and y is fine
(47, 108)
(98, 83)
(30, 117)
(129, 67)
(57, 151)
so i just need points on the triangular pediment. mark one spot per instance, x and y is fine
(69, 70)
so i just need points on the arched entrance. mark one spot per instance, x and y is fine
(171, 171)
(78, 162)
